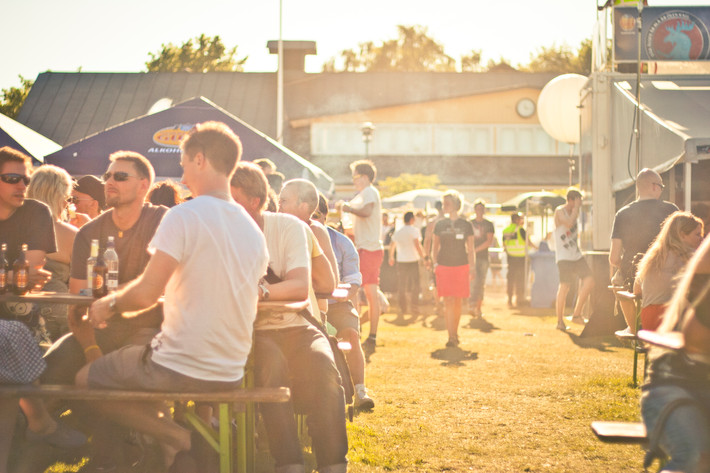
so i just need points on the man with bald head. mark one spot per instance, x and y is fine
(634, 229)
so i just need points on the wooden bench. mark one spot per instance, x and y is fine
(638, 348)
(620, 432)
(220, 440)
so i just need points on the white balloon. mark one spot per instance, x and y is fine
(557, 107)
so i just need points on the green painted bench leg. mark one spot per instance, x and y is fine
(225, 438)
(241, 452)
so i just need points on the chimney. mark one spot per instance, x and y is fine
(294, 54)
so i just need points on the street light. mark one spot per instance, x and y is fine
(367, 129)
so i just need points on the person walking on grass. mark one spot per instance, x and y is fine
(367, 226)
(454, 261)
(570, 261)
(483, 233)
(405, 242)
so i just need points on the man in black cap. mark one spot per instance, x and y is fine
(88, 197)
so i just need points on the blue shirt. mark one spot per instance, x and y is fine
(346, 256)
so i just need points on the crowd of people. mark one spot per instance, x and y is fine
(184, 251)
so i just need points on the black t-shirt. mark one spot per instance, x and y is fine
(131, 247)
(452, 238)
(32, 224)
(481, 230)
(636, 225)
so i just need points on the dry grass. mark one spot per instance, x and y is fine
(518, 395)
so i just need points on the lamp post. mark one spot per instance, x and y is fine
(367, 129)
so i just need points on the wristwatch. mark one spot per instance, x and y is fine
(264, 292)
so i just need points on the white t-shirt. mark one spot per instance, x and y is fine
(367, 229)
(566, 248)
(290, 243)
(210, 300)
(406, 251)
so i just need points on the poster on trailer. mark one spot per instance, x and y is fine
(667, 34)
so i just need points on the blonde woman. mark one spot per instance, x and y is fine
(454, 261)
(680, 235)
(675, 400)
(53, 185)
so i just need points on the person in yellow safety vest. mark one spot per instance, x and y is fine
(514, 238)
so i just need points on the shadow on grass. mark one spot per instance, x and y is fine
(601, 343)
(403, 321)
(481, 324)
(454, 356)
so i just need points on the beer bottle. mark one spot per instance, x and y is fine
(111, 260)
(4, 270)
(98, 279)
(21, 273)
(90, 262)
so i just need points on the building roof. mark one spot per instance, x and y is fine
(67, 107)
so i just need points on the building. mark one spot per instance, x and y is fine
(477, 131)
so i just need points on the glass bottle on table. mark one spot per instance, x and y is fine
(4, 270)
(111, 260)
(21, 273)
(98, 278)
(90, 262)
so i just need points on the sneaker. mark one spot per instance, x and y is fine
(576, 319)
(562, 326)
(452, 343)
(626, 333)
(362, 400)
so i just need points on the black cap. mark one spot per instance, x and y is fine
(92, 186)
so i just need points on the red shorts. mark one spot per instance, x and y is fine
(452, 281)
(652, 316)
(370, 262)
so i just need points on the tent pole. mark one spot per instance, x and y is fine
(688, 178)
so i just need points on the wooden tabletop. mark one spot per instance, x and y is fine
(74, 299)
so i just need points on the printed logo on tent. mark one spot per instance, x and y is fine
(677, 36)
(168, 139)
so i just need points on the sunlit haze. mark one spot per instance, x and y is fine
(97, 36)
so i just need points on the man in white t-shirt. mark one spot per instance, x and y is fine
(210, 281)
(288, 350)
(405, 242)
(570, 261)
(367, 226)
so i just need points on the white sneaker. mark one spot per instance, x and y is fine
(362, 400)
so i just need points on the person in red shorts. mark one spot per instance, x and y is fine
(367, 226)
(454, 261)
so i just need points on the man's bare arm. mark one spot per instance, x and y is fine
(364, 212)
(323, 279)
(323, 239)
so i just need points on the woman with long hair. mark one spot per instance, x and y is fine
(454, 261)
(676, 398)
(53, 185)
(680, 235)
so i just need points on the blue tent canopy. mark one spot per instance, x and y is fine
(157, 137)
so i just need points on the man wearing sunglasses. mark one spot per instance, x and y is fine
(635, 227)
(23, 220)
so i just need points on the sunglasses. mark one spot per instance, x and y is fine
(12, 178)
(118, 176)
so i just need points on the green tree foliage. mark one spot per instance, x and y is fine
(14, 97)
(562, 59)
(406, 182)
(472, 62)
(200, 54)
(502, 65)
(412, 51)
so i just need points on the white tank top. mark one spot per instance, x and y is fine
(566, 248)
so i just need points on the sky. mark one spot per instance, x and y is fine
(102, 36)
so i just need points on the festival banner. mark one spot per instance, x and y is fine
(667, 34)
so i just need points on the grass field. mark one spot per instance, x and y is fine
(516, 396)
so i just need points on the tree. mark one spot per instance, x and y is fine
(14, 97)
(406, 182)
(200, 54)
(472, 62)
(503, 65)
(412, 51)
(562, 59)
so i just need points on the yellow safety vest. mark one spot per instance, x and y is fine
(513, 241)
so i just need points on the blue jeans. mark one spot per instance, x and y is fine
(478, 284)
(301, 358)
(686, 434)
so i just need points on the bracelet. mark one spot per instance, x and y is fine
(91, 347)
